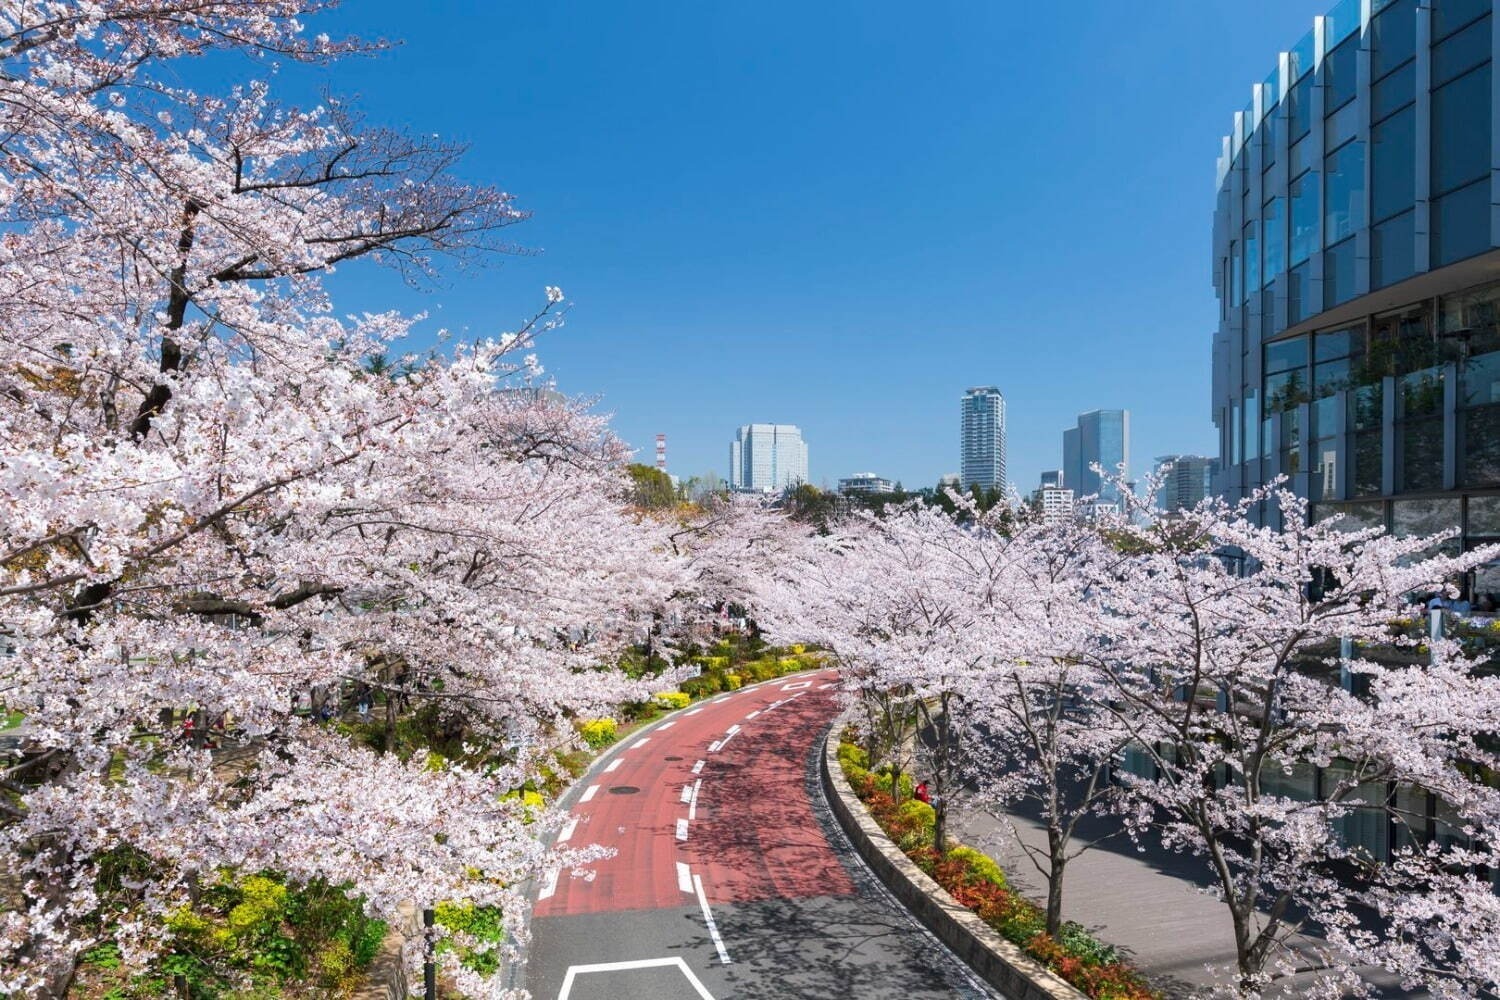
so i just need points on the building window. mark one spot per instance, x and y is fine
(1339, 74)
(1393, 165)
(1461, 223)
(1298, 295)
(1393, 250)
(1461, 131)
(1304, 217)
(1236, 275)
(1460, 53)
(1394, 92)
(1450, 15)
(1273, 248)
(1344, 171)
(1393, 37)
(1299, 108)
(1338, 273)
(1470, 322)
(1252, 259)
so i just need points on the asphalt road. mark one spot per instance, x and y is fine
(730, 879)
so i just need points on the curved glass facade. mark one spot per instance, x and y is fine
(1357, 270)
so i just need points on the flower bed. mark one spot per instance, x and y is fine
(975, 881)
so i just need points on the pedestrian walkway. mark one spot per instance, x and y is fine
(1151, 905)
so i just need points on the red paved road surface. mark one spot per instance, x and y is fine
(752, 835)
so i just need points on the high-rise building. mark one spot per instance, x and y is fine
(1355, 256)
(1187, 483)
(1101, 438)
(982, 439)
(1052, 477)
(767, 458)
(1054, 503)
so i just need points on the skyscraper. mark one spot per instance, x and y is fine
(1187, 483)
(1101, 438)
(767, 458)
(982, 439)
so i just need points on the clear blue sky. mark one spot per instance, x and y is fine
(840, 214)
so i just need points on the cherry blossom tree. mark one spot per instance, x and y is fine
(1040, 738)
(215, 500)
(1220, 672)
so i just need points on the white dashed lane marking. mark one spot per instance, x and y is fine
(682, 829)
(589, 792)
(698, 767)
(684, 878)
(640, 742)
(613, 764)
(549, 884)
(567, 831)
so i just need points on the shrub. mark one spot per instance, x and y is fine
(797, 649)
(853, 755)
(703, 686)
(732, 682)
(981, 867)
(598, 733)
(674, 699)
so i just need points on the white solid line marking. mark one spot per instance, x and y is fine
(708, 918)
(687, 793)
(646, 963)
(613, 764)
(726, 739)
(733, 729)
(684, 878)
(667, 725)
(752, 715)
(549, 884)
(640, 742)
(714, 747)
(682, 828)
(567, 831)
(698, 767)
(589, 793)
(825, 687)
(693, 799)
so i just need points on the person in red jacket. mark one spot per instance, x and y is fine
(921, 794)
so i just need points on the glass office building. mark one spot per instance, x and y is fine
(1357, 270)
(1101, 438)
(981, 453)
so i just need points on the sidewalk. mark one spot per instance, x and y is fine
(1149, 905)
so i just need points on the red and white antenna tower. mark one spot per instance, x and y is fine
(661, 452)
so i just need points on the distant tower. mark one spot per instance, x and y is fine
(661, 452)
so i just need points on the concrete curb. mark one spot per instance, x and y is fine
(996, 960)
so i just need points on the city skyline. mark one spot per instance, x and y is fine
(831, 293)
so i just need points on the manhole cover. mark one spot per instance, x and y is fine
(623, 790)
(671, 758)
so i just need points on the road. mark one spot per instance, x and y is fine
(730, 880)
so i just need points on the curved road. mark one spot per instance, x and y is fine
(730, 880)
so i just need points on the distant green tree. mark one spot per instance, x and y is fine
(652, 487)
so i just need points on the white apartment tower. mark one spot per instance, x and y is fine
(982, 440)
(767, 458)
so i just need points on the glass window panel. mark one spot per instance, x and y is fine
(1394, 92)
(1236, 433)
(1393, 168)
(1345, 184)
(1252, 259)
(1273, 250)
(1450, 15)
(1415, 518)
(1484, 515)
(1339, 74)
(1298, 296)
(1366, 471)
(1419, 393)
(1393, 250)
(1338, 273)
(1268, 143)
(1322, 464)
(1393, 37)
(1365, 406)
(1479, 452)
(1461, 224)
(1337, 343)
(1461, 131)
(1268, 311)
(1236, 275)
(1343, 21)
(1251, 415)
(1284, 355)
(1285, 390)
(1299, 108)
(1304, 217)
(1461, 53)
(1301, 157)
(1412, 824)
(1341, 126)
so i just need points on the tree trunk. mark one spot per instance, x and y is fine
(1055, 896)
